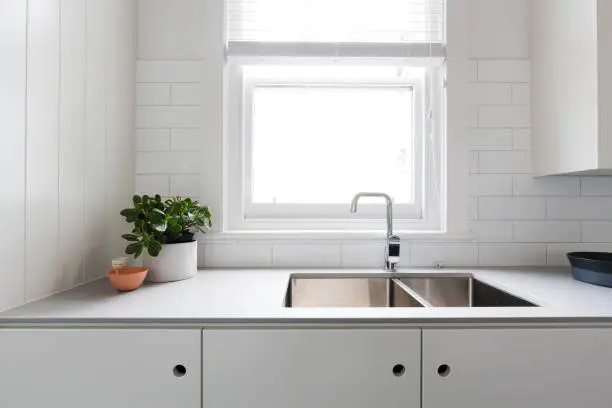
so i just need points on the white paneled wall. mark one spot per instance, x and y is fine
(515, 220)
(42, 147)
(71, 143)
(66, 156)
(13, 39)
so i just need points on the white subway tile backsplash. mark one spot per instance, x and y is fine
(504, 162)
(151, 185)
(526, 185)
(152, 140)
(186, 94)
(511, 208)
(504, 116)
(167, 163)
(187, 185)
(369, 255)
(512, 254)
(188, 139)
(499, 28)
(521, 94)
(235, 255)
(491, 139)
(169, 71)
(491, 231)
(543, 231)
(600, 231)
(522, 139)
(428, 255)
(172, 29)
(515, 220)
(309, 255)
(473, 208)
(152, 95)
(473, 116)
(473, 162)
(473, 71)
(490, 93)
(597, 186)
(504, 70)
(490, 185)
(579, 208)
(168, 117)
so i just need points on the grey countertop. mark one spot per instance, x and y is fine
(255, 296)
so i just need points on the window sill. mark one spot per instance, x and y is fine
(331, 235)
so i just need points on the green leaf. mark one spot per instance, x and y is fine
(158, 217)
(174, 227)
(136, 200)
(130, 237)
(138, 252)
(133, 248)
(139, 225)
(128, 212)
(154, 248)
(160, 227)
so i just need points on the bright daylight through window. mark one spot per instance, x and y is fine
(327, 98)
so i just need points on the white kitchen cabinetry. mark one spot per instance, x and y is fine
(100, 368)
(510, 368)
(310, 368)
(572, 87)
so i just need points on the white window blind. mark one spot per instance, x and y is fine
(336, 27)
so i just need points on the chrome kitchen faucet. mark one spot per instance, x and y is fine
(392, 249)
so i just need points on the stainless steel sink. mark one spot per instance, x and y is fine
(460, 291)
(396, 290)
(347, 292)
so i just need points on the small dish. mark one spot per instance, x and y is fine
(592, 267)
(127, 279)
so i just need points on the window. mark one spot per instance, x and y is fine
(328, 98)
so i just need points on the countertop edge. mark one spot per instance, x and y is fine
(331, 321)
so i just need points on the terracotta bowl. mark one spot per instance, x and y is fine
(126, 279)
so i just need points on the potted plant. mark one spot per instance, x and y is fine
(164, 231)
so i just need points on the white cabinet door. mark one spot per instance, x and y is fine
(308, 368)
(100, 368)
(512, 368)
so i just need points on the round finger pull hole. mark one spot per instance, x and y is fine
(179, 370)
(444, 370)
(399, 370)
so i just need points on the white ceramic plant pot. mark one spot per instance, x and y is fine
(174, 262)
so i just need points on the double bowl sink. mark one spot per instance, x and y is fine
(396, 290)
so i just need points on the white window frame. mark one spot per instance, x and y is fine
(455, 156)
(244, 215)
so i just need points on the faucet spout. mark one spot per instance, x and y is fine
(388, 201)
(392, 249)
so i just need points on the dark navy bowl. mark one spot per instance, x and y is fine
(592, 267)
